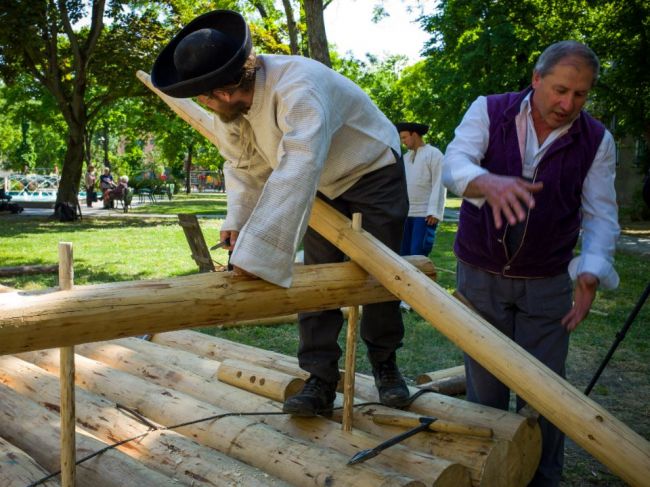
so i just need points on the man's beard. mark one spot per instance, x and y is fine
(234, 112)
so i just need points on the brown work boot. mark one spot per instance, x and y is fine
(391, 386)
(316, 397)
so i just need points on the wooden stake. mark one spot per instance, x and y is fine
(66, 357)
(350, 351)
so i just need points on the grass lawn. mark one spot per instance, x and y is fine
(118, 249)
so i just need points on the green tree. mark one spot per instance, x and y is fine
(83, 67)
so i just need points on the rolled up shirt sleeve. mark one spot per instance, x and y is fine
(461, 163)
(600, 228)
(269, 239)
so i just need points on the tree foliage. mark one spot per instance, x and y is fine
(478, 47)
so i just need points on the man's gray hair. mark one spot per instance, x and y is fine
(554, 53)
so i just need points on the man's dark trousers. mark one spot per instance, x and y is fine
(529, 312)
(382, 200)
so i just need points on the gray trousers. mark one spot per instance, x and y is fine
(382, 200)
(529, 312)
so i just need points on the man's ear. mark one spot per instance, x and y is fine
(222, 95)
(536, 79)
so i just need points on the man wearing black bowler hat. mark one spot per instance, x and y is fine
(292, 129)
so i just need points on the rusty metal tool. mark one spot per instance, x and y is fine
(369, 453)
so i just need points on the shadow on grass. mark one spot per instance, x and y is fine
(16, 225)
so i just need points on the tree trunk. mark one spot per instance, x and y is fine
(188, 168)
(291, 27)
(168, 452)
(72, 168)
(318, 48)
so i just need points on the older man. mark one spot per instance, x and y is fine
(292, 129)
(535, 170)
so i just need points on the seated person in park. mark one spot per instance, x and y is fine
(106, 181)
(117, 193)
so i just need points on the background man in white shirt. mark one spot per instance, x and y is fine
(535, 170)
(423, 168)
(289, 128)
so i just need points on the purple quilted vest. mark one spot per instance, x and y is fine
(553, 226)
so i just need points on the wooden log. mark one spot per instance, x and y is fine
(439, 425)
(35, 430)
(273, 320)
(523, 437)
(451, 449)
(582, 419)
(169, 452)
(245, 439)
(61, 318)
(350, 367)
(18, 469)
(440, 374)
(451, 382)
(350, 351)
(264, 382)
(431, 470)
(25, 270)
(68, 434)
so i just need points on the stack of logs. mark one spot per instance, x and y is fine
(185, 375)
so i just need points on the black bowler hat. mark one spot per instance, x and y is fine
(418, 128)
(207, 53)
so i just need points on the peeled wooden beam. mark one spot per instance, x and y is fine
(523, 437)
(265, 382)
(34, 321)
(243, 438)
(582, 419)
(35, 430)
(154, 367)
(440, 374)
(18, 469)
(169, 452)
(273, 320)
(451, 382)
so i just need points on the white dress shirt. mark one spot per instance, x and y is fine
(600, 227)
(426, 192)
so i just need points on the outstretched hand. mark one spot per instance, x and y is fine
(508, 196)
(583, 296)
